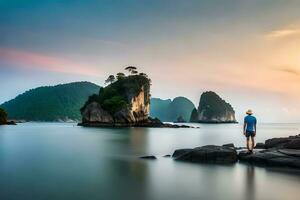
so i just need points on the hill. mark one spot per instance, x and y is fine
(170, 111)
(213, 109)
(125, 101)
(51, 103)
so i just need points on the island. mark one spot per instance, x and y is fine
(124, 102)
(3, 118)
(213, 109)
(275, 152)
(170, 110)
(59, 103)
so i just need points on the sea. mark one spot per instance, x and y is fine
(63, 161)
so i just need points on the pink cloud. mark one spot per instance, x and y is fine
(32, 60)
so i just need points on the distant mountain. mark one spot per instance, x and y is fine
(167, 110)
(159, 107)
(213, 109)
(51, 103)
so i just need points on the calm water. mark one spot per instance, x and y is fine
(64, 161)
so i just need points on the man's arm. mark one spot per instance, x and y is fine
(244, 128)
(255, 128)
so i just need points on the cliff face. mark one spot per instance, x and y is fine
(213, 109)
(129, 104)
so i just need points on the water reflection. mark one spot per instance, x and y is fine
(250, 183)
(60, 161)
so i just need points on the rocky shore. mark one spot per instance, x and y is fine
(275, 152)
(150, 123)
(9, 123)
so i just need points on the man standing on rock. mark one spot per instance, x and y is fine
(250, 129)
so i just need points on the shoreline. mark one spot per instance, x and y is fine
(133, 125)
(283, 152)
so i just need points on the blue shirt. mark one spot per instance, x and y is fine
(250, 122)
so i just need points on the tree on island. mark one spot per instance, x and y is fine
(120, 75)
(110, 79)
(3, 116)
(132, 70)
(143, 74)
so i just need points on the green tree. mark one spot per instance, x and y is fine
(120, 75)
(3, 116)
(131, 69)
(110, 79)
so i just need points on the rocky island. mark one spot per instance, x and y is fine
(213, 109)
(170, 110)
(3, 118)
(59, 103)
(125, 102)
(275, 152)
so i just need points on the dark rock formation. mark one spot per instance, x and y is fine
(213, 109)
(207, 154)
(179, 152)
(94, 113)
(283, 152)
(292, 142)
(148, 157)
(272, 157)
(3, 117)
(231, 145)
(260, 146)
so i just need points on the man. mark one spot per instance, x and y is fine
(250, 129)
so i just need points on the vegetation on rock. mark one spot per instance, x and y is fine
(51, 103)
(213, 109)
(3, 116)
(118, 94)
(168, 110)
(194, 115)
(213, 105)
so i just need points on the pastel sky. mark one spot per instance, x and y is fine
(248, 51)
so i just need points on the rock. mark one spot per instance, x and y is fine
(292, 142)
(231, 145)
(11, 123)
(272, 157)
(180, 152)
(260, 145)
(180, 119)
(124, 116)
(213, 109)
(94, 113)
(207, 154)
(167, 156)
(148, 157)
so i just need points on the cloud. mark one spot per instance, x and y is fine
(33, 60)
(283, 33)
(289, 70)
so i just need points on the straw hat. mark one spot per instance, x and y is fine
(249, 112)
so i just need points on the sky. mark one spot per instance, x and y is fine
(248, 51)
